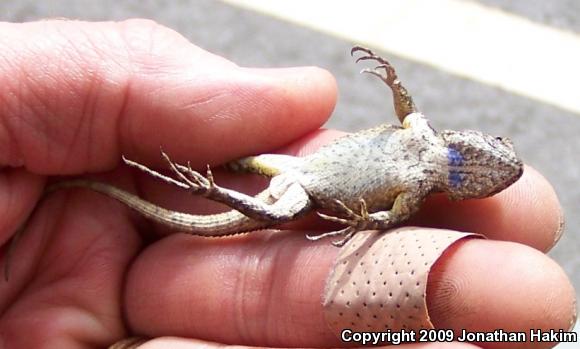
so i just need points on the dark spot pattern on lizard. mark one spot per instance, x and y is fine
(372, 179)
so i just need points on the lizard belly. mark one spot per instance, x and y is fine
(377, 183)
(370, 166)
(378, 197)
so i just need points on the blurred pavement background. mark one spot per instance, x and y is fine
(509, 68)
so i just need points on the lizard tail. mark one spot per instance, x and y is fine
(213, 225)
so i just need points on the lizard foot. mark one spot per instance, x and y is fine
(189, 179)
(193, 179)
(347, 232)
(355, 222)
(353, 219)
(402, 99)
(383, 71)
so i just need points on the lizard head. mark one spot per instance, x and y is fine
(479, 165)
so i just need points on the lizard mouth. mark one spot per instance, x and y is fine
(511, 179)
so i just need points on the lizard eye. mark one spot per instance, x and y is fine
(499, 138)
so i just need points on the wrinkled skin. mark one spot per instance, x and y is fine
(87, 272)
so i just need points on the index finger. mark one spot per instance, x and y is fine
(527, 212)
(267, 289)
(75, 108)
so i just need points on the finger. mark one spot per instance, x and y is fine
(67, 275)
(264, 288)
(19, 190)
(527, 212)
(75, 107)
(184, 343)
(483, 285)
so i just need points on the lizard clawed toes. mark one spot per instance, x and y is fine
(324, 235)
(384, 70)
(355, 222)
(347, 236)
(353, 219)
(364, 212)
(154, 174)
(388, 76)
(197, 181)
(370, 55)
(193, 179)
(332, 218)
(360, 48)
(347, 232)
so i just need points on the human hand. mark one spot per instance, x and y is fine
(76, 96)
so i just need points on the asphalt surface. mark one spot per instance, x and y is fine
(546, 136)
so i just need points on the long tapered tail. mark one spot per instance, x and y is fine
(215, 225)
(221, 224)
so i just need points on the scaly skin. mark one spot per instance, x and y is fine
(371, 179)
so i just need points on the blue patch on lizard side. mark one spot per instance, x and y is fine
(454, 178)
(454, 157)
(454, 160)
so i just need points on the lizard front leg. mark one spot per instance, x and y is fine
(291, 199)
(403, 101)
(268, 165)
(405, 108)
(404, 206)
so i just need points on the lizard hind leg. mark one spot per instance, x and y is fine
(355, 221)
(290, 201)
(403, 101)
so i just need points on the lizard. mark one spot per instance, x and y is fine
(368, 180)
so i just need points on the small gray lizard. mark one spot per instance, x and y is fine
(371, 179)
